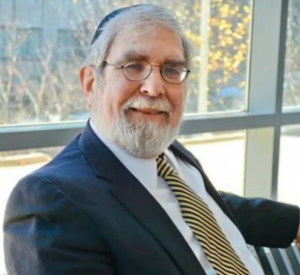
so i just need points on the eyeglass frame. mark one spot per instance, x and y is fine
(123, 67)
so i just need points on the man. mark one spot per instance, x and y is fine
(120, 199)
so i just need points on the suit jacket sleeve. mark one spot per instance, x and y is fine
(264, 222)
(46, 234)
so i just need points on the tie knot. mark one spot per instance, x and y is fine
(161, 156)
(163, 168)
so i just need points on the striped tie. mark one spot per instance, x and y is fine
(199, 217)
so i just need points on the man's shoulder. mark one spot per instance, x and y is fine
(70, 157)
(68, 165)
(66, 174)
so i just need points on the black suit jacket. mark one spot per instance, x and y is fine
(84, 213)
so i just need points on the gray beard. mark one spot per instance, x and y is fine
(142, 139)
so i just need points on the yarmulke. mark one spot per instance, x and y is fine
(107, 18)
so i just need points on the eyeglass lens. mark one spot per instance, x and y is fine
(171, 72)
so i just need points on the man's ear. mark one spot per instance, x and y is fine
(87, 79)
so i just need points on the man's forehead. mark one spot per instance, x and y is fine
(163, 44)
(132, 54)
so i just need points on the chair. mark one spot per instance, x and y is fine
(278, 261)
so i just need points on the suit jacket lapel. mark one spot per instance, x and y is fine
(139, 202)
(132, 194)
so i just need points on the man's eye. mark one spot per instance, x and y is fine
(134, 67)
(172, 71)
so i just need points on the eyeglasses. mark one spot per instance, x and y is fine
(139, 70)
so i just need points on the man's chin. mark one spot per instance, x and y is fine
(141, 138)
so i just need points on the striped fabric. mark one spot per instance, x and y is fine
(199, 217)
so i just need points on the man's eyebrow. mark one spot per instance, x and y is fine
(131, 55)
(176, 61)
(135, 56)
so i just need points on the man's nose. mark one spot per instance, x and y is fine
(153, 85)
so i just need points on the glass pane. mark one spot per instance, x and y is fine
(6, 11)
(29, 43)
(69, 46)
(219, 83)
(27, 12)
(3, 42)
(47, 89)
(222, 156)
(289, 172)
(14, 165)
(292, 61)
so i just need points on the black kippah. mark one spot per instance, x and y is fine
(107, 18)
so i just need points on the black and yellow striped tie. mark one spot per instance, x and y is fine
(199, 217)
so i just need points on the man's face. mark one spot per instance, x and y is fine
(141, 116)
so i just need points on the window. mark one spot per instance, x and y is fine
(29, 43)
(4, 37)
(220, 40)
(69, 46)
(16, 43)
(6, 11)
(27, 13)
(292, 62)
(289, 173)
(222, 158)
(218, 31)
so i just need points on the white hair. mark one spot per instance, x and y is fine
(142, 17)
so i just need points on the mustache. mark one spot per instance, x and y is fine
(161, 105)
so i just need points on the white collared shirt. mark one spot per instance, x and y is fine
(145, 171)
